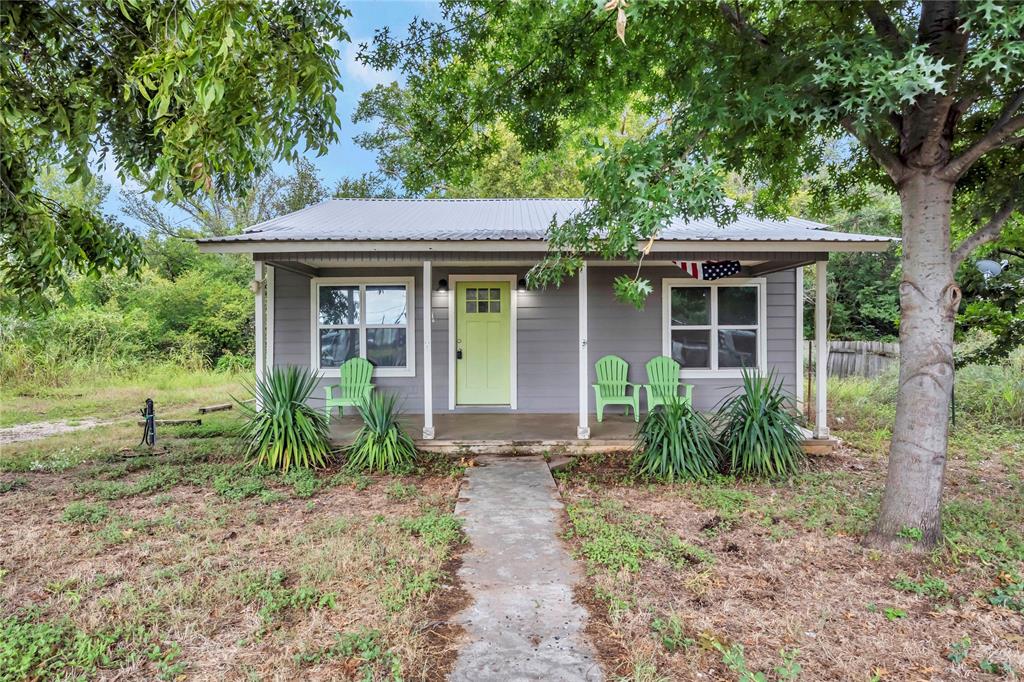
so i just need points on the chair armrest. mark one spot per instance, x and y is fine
(328, 389)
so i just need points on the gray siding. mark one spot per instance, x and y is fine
(635, 336)
(547, 334)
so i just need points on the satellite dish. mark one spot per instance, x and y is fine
(990, 268)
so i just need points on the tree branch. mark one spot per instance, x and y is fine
(987, 233)
(1005, 126)
(884, 27)
(889, 161)
(739, 22)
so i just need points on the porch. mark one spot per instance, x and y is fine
(481, 433)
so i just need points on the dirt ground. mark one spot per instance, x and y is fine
(778, 570)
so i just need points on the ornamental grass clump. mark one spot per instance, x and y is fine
(381, 444)
(283, 431)
(759, 434)
(675, 443)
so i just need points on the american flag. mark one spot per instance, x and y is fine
(709, 269)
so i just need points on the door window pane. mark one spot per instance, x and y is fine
(691, 348)
(470, 294)
(339, 305)
(386, 347)
(337, 346)
(385, 304)
(737, 348)
(691, 305)
(737, 305)
(495, 294)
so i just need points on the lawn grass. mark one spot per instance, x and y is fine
(774, 581)
(189, 564)
(173, 389)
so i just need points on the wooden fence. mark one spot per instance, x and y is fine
(856, 358)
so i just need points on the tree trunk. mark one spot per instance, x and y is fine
(929, 298)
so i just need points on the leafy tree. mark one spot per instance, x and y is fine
(304, 188)
(208, 215)
(927, 95)
(500, 168)
(185, 96)
(366, 185)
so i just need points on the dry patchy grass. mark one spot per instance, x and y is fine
(731, 579)
(189, 564)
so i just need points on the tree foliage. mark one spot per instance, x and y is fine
(185, 97)
(928, 98)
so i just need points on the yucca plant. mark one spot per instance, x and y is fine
(282, 431)
(675, 443)
(759, 434)
(381, 444)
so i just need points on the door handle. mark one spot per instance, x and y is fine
(458, 354)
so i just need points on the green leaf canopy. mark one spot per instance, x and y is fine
(183, 96)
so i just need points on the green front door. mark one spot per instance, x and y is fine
(483, 358)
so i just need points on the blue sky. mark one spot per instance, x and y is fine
(344, 158)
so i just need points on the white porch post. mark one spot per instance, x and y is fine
(428, 359)
(800, 397)
(821, 341)
(261, 332)
(583, 430)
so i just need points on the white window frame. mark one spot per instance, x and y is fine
(362, 282)
(761, 327)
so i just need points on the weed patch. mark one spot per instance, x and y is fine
(405, 586)
(928, 586)
(365, 649)
(304, 482)
(268, 589)
(83, 512)
(434, 528)
(617, 539)
(40, 649)
(12, 484)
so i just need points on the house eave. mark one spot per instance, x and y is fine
(530, 245)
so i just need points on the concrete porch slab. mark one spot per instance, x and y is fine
(521, 433)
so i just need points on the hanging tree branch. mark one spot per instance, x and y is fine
(987, 233)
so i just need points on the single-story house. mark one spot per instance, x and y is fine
(432, 293)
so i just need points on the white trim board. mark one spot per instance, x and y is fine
(410, 341)
(762, 323)
(452, 325)
(505, 245)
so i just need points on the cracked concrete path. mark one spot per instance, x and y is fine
(523, 623)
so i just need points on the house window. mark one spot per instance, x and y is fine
(714, 329)
(368, 319)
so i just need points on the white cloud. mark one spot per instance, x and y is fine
(353, 70)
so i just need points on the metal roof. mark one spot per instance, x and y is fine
(368, 220)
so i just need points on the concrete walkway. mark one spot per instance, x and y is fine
(523, 624)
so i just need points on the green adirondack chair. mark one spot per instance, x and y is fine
(663, 382)
(354, 387)
(612, 387)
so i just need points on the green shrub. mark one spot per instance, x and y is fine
(674, 442)
(759, 434)
(381, 444)
(285, 432)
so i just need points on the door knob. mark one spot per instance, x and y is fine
(458, 354)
